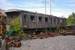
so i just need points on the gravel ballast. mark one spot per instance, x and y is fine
(51, 43)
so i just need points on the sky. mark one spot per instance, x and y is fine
(60, 8)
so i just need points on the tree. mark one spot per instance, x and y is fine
(15, 24)
(14, 27)
(71, 19)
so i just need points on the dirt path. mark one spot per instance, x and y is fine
(52, 43)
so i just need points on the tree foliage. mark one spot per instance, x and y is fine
(71, 19)
(15, 24)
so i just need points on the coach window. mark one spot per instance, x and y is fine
(24, 17)
(54, 20)
(46, 19)
(57, 20)
(32, 17)
(51, 20)
(40, 18)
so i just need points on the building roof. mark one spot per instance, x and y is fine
(11, 10)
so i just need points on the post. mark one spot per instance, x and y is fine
(50, 7)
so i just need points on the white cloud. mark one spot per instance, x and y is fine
(38, 7)
(61, 12)
(5, 4)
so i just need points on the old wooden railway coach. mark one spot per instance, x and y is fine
(34, 21)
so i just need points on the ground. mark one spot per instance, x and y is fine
(51, 43)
